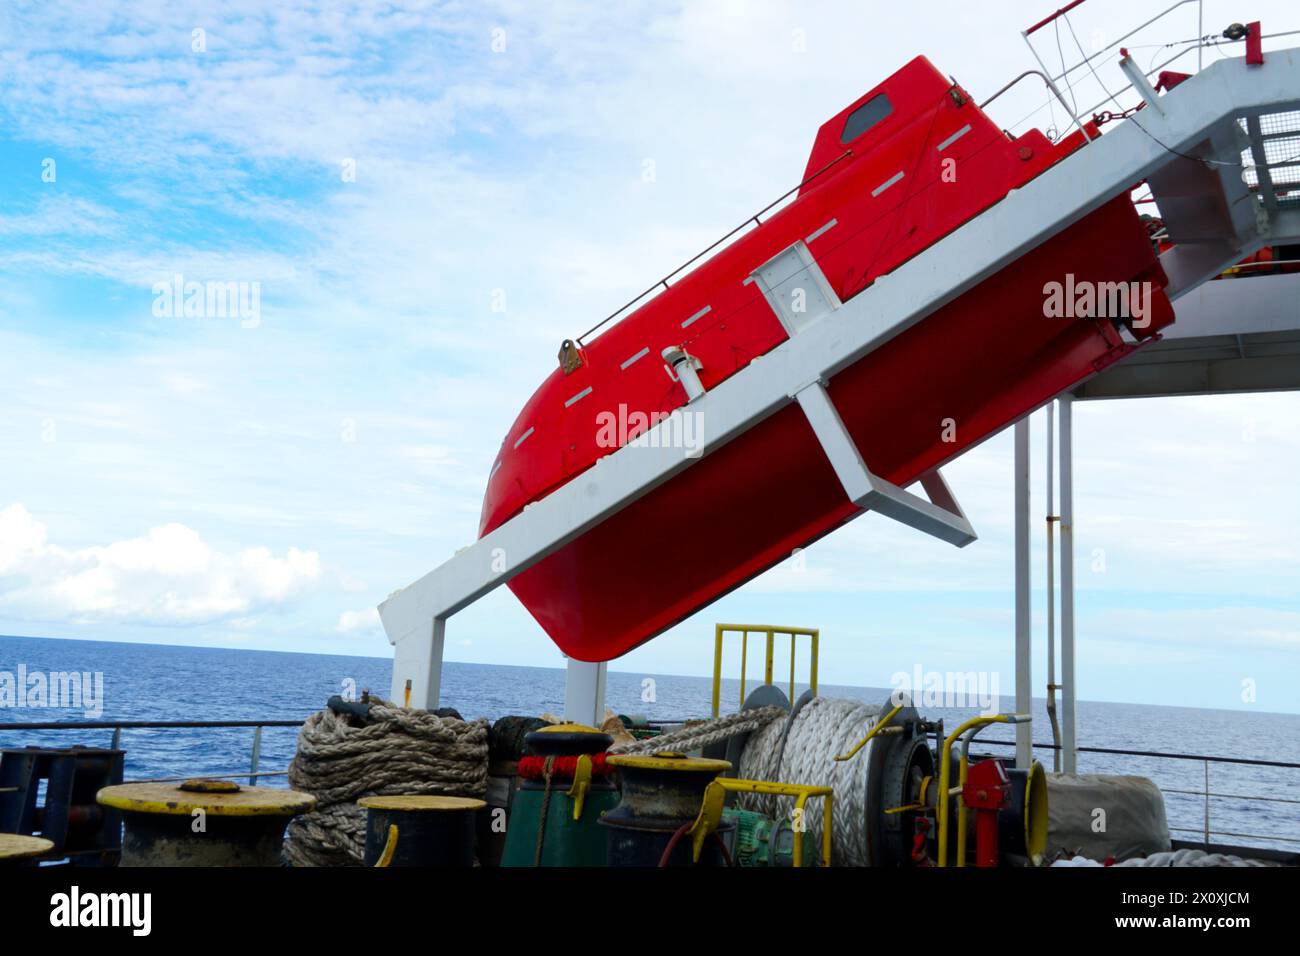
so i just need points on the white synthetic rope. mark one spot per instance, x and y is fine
(400, 751)
(1184, 857)
(825, 727)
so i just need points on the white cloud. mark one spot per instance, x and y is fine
(62, 216)
(366, 619)
(168, 576)
(20, 537)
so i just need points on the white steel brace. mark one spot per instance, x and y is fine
(941, 516)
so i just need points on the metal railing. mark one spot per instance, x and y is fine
(769, 633)
(1206, 830)
(755, 219)
(1199, 44)
(1087, 61)
(117, 726)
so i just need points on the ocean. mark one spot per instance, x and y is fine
(159, 682)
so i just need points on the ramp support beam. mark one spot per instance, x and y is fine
(941, 516)
(584, 692)
(417, 667)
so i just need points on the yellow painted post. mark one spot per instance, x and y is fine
(812, 677)
(963, 815)
(946, 791)
(767, 665)
(827, 802)
(792, 652)
(798, 831)
(717, 669)
(744, 662)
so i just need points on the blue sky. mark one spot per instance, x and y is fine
(208, 481)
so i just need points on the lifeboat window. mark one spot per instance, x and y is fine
(866, 116)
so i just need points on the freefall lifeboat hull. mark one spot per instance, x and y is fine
(897, 170)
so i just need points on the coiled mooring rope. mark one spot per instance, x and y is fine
(821, 729)
(397, 751)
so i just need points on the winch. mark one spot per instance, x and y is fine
(759, 841)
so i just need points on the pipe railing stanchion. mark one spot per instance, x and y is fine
(1024, 624)
(1051, 588)
(1069, 694)
(256, 758)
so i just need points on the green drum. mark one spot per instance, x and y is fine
(565, 787)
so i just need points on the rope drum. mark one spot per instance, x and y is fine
(824, 727)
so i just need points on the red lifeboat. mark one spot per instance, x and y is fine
(897, 170)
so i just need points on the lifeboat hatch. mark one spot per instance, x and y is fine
(796, 288)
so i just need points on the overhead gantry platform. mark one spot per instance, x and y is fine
(1232, 335)
(1187, 145)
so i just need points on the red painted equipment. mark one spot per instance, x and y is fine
(1254, 44)
(1169, 79)
(987, 791)
(903, 166)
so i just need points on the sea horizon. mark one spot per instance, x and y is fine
(611, 670)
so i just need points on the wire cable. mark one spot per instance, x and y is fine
(1133, 119)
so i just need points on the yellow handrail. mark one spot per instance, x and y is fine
(715, 795)
(971, 727)
(769, 632)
